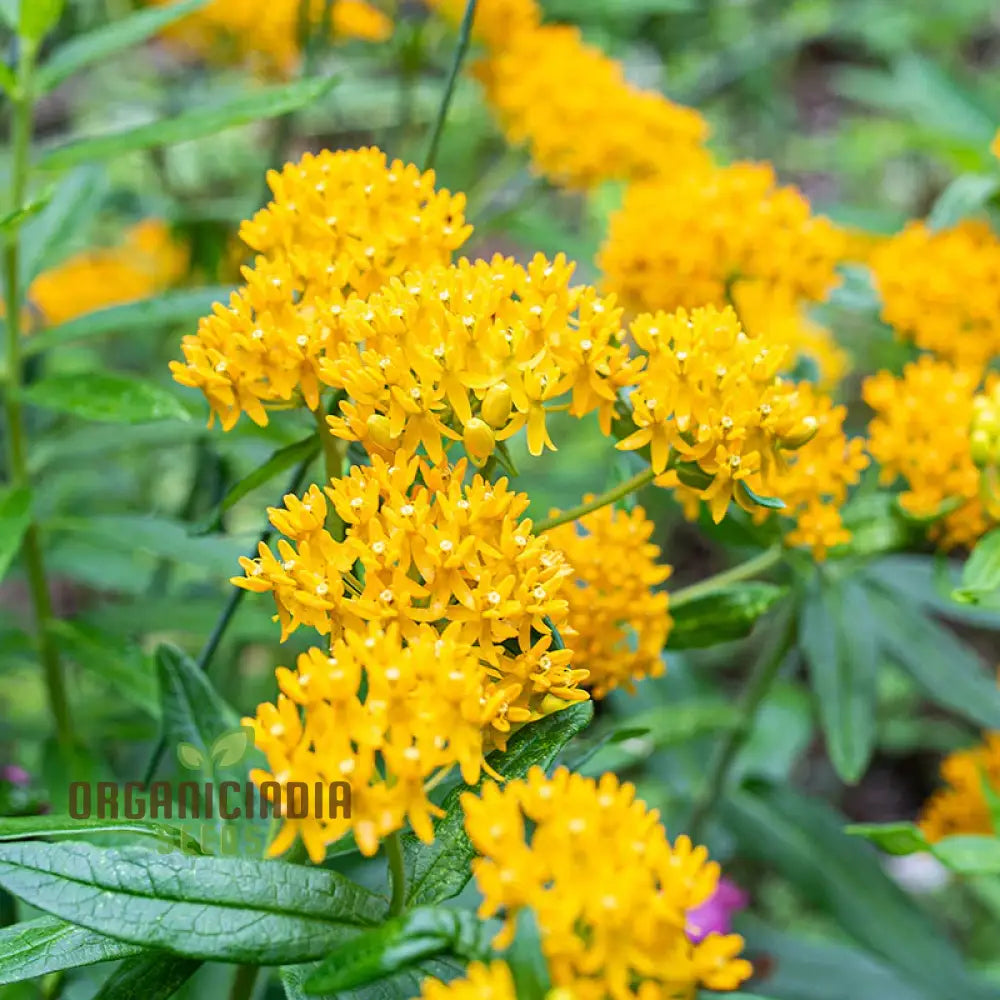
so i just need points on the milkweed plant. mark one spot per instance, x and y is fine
(471, 532)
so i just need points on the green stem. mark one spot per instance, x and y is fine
(22, 125)
(334, 455)
(762, 676)
(397, 868)
(464, 35)
(244, 982)
(743, 571)
(611, 496)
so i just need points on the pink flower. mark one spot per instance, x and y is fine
(715, 915)
(15, 775)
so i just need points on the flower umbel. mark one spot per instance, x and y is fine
(595, 858)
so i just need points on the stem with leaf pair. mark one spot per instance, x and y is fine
(22, 119)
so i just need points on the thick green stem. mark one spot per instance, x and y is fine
(397, 869)
(22, 115)
(611, 496)
(743, 571)
(464, 35)
(762, 676)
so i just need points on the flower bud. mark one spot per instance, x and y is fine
(479, 440)
(496, 405)
(980, 447)
(378, 431)
(802, 434)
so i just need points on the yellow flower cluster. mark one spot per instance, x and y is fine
(920, 433)
(961, 806)
(422, 548)
(481, 982)
(424, 711)
(265, 33)
(496, 21)
(476, 352)
(619, 932)
(582, 121)
(688, 239)
(710, 395)
(340, 225)
(942, 289)
(619, 623)
(148, 261)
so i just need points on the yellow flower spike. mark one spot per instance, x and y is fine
(598, 826)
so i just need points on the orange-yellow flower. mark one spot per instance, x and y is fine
(683, 240)
(619, 620)
(481, 982)
(497, 22)
(960, 807)
(595, 858)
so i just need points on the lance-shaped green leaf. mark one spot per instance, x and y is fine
(282, 459)
(102, 396)
(401, 943)
(15, 516)
(966, 195)
(98, 45)
(892, 838)
(837, 641)
(45, 945)
(30, 827)
(153, 976)
(224, 909)
(174, 308)
(402, 985)
(722, 615)
(17, 218)
(950, 672)
(441, 870)
(269, 102)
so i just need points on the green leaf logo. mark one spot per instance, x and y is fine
(231, 748)
(190, 756)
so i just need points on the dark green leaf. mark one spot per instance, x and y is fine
(28, 827)
(892, 838)
(269, 102)
(969, 855)
(803, 840)
(527, 961)
(402, 985)
(153, 976)
(964, 196)
(15, 516)
(115, 399)
(284, 458)
(949, 671)
(401, 943)
(441, 870)
(45, 945)
(97, 45)
(981, 573)
(226, 909)
(837, 642)
(172, 308)
(721, 615)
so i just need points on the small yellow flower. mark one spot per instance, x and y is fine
(620, 622)
(595, 858)
(961, 807)
(497, 22)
